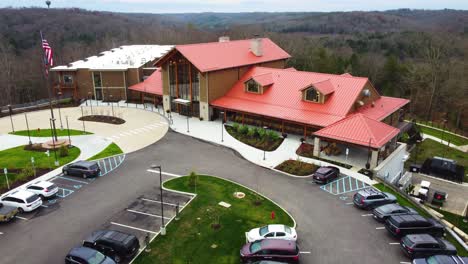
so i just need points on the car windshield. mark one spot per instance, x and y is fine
(255, 246)
(94, 166)
(407, 241)
(432, 260)
(386, 208)
(263, 230)
(287, 229)
(32, 198)
(96, 259)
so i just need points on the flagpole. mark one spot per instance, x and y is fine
(46, 75)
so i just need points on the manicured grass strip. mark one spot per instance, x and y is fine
(18, 158)
(403, 201)
(47, 133)
(454, 139)
(190, 239)
(455, 219)
(111, 150)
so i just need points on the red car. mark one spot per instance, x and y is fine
(270, 249)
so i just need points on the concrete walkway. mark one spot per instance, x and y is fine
(443, 142)
(212, 131)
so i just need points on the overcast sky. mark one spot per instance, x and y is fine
(183, 6)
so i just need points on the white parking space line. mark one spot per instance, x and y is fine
(405, 262)
(165, 173)
(44, 206)
(22, 218)
(349, 203)
(304, 252)
(154, 201)
(143, 213)
(394, 243)
(1, 233)
(136, 228)
(367, 215)
(380, 228)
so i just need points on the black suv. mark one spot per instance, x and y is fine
(370, 198)
(325, 174)
(401, 225)
(442, 259)
(383, 212)
(424, 245)
(82, 168)
(115, 244)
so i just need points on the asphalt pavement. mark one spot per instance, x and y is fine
(330, 229)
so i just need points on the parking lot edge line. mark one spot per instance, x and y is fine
(61, 177)
(136, 228)
(22, 218)
(394, 243)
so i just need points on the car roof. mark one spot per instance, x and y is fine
(82, 252)
(324, 169)
(115, 235)
(21, 194)
(405, 218)
(278, 244)
(369, 191)
(276, 228)
(84, 163)
(43, 184)
(393, 206)
(422, 238)
(446, 259)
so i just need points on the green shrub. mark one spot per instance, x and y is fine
(272, 135)
(235, 126)
(63, 151)
(251, 132)
(261, 133)
(193, 178)
(26, 172)
(243, 130)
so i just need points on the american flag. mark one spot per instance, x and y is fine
(48, 56)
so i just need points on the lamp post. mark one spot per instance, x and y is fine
(163, 229)
(27, 127)
(10, 111)
(264, 143)
(59, 94)
(222, 126)
(90, 102)
(112, 104)
(54, 142)
(68, 131)
(47, 3)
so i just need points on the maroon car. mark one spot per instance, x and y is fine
(270, 249)
(326, 174)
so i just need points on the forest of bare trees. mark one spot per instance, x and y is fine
(420, 55)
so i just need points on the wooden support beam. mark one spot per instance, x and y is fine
(305, 132)
(243, 118)
(282, 126)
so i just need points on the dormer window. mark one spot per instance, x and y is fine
(252, 86)
(312, 95)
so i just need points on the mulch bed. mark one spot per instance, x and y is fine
(306, 150)
(39, 172)
(296, 167)
(103, 119)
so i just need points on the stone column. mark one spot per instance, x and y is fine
(166, 102)
(317, 147)
(374, 159)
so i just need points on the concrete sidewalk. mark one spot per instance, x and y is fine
(213, 131)
(443, 142)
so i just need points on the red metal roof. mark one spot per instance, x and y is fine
(324, 87)
(215, 56)
(283, 99)
(264, 79)
(151, 85)
(383, 107)
(361, 130)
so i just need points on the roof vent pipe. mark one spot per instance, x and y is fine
(256, 46)
(224, 39)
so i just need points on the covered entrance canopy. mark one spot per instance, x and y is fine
(151, 88)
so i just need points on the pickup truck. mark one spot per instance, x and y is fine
(7, 213)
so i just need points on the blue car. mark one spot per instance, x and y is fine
(84, 255)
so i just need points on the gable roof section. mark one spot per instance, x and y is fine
(324, 87)
(283, 99)
(152, 84)
(360, 130)
(215, 56)
(263, 79)
(383, 107)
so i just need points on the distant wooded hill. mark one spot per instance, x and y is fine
(417, 54)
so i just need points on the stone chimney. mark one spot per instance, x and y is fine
(256, 46)
(224, 39)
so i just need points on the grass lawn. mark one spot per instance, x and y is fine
(18, 158)
(47, 133)
(455, 219)
(190, 239)
(454, 139)
(403, 201)
(429, 148)
(111, 150)
(297, 167)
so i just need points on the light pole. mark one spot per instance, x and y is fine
(54, 142)
(264, 142)
(90, 102)
(112, 104)
(222, 126)
(68, 131)
(27, 127)
(163, 229)
(59, 94)
(10, 111)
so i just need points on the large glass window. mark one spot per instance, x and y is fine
(253, 86)
(181, 75)
(97, 79)
(68, 79)
(312, 95)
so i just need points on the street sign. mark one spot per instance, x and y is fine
(5, 170)
(32, 159)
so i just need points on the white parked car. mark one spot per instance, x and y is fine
(272, 232)
(25, 201)
(45, 189)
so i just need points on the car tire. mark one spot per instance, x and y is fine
(117, 259)
(85, 176)
(65, 172)
(42, 197)
(20, 210)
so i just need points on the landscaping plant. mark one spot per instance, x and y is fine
(63, 151)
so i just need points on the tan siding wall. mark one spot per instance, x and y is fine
(281, 64)
(132, 77)
(165, 79)
(203, 83)
(84, 83)
(219, 82)
(112, 79)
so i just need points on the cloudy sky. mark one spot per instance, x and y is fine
(182, 6)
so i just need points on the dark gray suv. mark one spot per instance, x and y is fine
(424, 245)
(383, 212)
(82, 168)
(371, 198)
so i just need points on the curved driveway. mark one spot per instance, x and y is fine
(331, 230)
